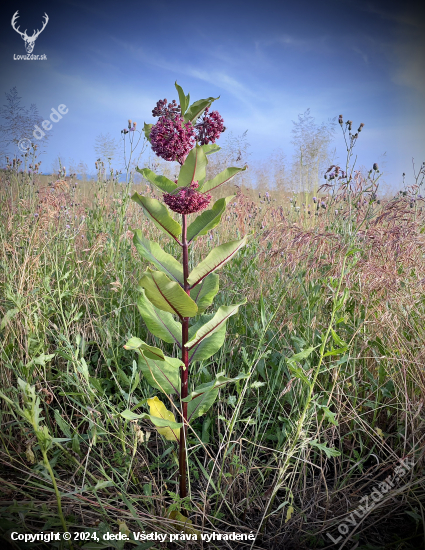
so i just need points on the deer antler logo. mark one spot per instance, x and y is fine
(29, 40)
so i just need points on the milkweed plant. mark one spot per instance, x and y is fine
(173, 296)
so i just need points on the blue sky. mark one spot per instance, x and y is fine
(268, 61)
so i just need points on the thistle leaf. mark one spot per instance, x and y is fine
(208, 219)
(158, 213)
(215, 260)
(222, 177)
(167, 295)
(160, 416)
(194, 168)
(220, 318)
(163, 183)
(152, 252)
(159, 323)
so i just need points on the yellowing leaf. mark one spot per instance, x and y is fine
(158, 410)
(289, 513)
(182, 523)
(380, 433)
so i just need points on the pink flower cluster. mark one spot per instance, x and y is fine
(170, 111)
(210, 127)
(171, 139)
(187, 200)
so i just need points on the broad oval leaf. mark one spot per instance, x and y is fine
(152, 252)
(201, 399)
(163, 183)
(220, 318)
(194, 167)
(215, 260)
(208, 346)
(201, 404)
(167, 295)
(162, 374)
(210, 148)
(221, 178)
(197, 108)
(134, 343)
(208, 219)
(203, 294)
(159, 323)
(160, 416)
(158, 213)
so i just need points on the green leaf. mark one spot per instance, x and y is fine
(330, 416)
(338, 351)
(208, 346)
(147, 129)
(201, 399)
(8, 316)
(201, 404)
(197, 108)
(208, 219)
(159, 323)
(337, 340)
(63, 425)
(163, 183)
(183, 100)
(222, 177)
(210, 148)
(133, 343)
(298, 372)
(152, 352)
(162, 374)
(158, 213)
(220, 318)
(194, 167)
(330, 451)
(167, 295)
(152, 252)
(298, 357)
(203, 294)
(215, 260)
(130, 415)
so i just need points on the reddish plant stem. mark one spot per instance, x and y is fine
(185, 369)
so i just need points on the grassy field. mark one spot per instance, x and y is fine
(290, 453)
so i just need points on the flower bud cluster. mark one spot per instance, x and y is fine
(172, 110)
(187, 200)
(210, 127)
